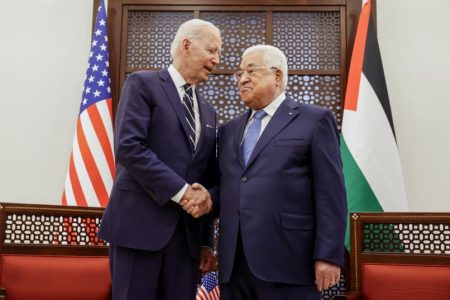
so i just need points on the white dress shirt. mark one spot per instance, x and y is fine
(179, 83)
(270, 111)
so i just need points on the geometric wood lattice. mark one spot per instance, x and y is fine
(150, 37)
(310, 40)
(239, 30)
(414, 238)
(222, 92)
(37, 229)
(324, 91)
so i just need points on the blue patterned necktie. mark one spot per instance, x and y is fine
(251, 137)
(188, 105)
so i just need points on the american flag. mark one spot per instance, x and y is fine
(209, 290)
(91, 166)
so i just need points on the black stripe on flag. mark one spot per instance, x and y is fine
(373, 70)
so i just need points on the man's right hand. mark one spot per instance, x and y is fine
(196, 200)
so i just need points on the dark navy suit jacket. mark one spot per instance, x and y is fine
(154, 160)
(289, 202)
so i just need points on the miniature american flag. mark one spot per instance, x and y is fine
(91, 166)
(209, 290)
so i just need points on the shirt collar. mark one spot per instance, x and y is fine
(178, 78)
(272, 107)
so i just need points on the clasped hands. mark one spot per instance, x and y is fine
(196, 200)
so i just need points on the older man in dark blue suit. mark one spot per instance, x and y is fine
(282, 196)
(165, 140)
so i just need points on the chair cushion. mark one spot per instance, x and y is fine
(401, 282)
(42, 277)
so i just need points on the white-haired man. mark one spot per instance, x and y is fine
(282, 196)
(165, 143)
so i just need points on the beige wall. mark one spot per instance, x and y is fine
(414, 39)
(43, 55)
(44, 51)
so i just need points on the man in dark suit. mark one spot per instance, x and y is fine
(282, 196)
(165, 140)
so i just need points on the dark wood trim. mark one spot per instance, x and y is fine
(123, 50)
(269, 26)
(396, 217)
(404, 259)
(355, 245)
(56, 250)
(48, 209)
(114, 39)
(227, 8)
(238, 2)
(353, 10)
(343, 48)
(231, 71)
(95, 5)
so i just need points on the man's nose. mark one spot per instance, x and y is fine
(244, 78)
(216, 59)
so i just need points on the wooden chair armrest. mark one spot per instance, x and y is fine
(351, 295)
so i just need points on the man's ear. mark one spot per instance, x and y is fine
(278, 76)
(185, 44)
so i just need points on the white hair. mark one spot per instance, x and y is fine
(272, 57)
(191, 30)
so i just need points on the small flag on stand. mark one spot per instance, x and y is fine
(209, 290)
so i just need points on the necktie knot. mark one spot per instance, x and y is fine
(188, 89)
(259, 114)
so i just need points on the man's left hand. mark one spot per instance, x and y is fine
(327, 275)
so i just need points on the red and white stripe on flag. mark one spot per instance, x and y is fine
(91, 166)
(209, 290)
(203, 294)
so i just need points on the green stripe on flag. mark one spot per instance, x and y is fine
(360, 197)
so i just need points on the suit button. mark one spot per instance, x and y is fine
(238, 212)
(244, 179)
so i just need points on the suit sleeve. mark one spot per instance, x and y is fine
(328, 191)
(132, 124)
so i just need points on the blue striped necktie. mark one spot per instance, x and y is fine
(188, 105)
(252, 135)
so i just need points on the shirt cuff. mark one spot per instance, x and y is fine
(179, 195)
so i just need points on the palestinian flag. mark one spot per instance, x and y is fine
(372, 170)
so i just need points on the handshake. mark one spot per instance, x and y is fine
(196, 200)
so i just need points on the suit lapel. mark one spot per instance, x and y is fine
(285, 113)
(204, 122)
(171, 91)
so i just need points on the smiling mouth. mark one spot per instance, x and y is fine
(208, 68)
